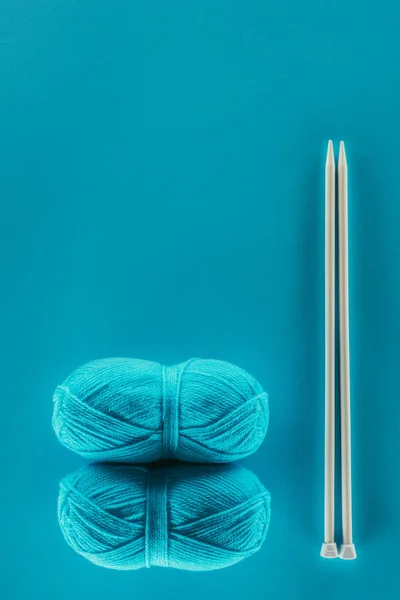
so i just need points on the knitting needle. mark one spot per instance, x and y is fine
(347, 549)
(329, 549)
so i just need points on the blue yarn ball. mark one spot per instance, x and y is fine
(128, 410)
(196, 518)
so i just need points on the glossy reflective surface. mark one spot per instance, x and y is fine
(162, 197)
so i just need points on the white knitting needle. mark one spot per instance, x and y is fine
(329, 549)
(347, 549)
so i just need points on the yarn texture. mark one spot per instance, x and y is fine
(195, 518)
(128, 410)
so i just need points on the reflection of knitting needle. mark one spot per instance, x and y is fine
(329, 549)
(347, 549)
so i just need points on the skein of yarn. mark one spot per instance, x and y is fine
(195, 518)
(129, 410)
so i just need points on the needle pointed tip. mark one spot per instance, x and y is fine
(330, 158)
(342, 154)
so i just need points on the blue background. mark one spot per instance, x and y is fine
(161, 175)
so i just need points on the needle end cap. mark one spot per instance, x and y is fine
(348, 552)
(329, 550)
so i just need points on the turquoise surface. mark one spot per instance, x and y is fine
(161, 172)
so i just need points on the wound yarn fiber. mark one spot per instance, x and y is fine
(129, 410)
(196, 518)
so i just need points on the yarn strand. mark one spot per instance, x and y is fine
(128, 410)
(195, 518)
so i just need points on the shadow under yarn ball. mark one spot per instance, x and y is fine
(195, 518)
(129, 410)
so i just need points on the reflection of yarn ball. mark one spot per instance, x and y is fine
(187, 517)
(139, 411)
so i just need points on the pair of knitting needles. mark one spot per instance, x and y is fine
(329, 548)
